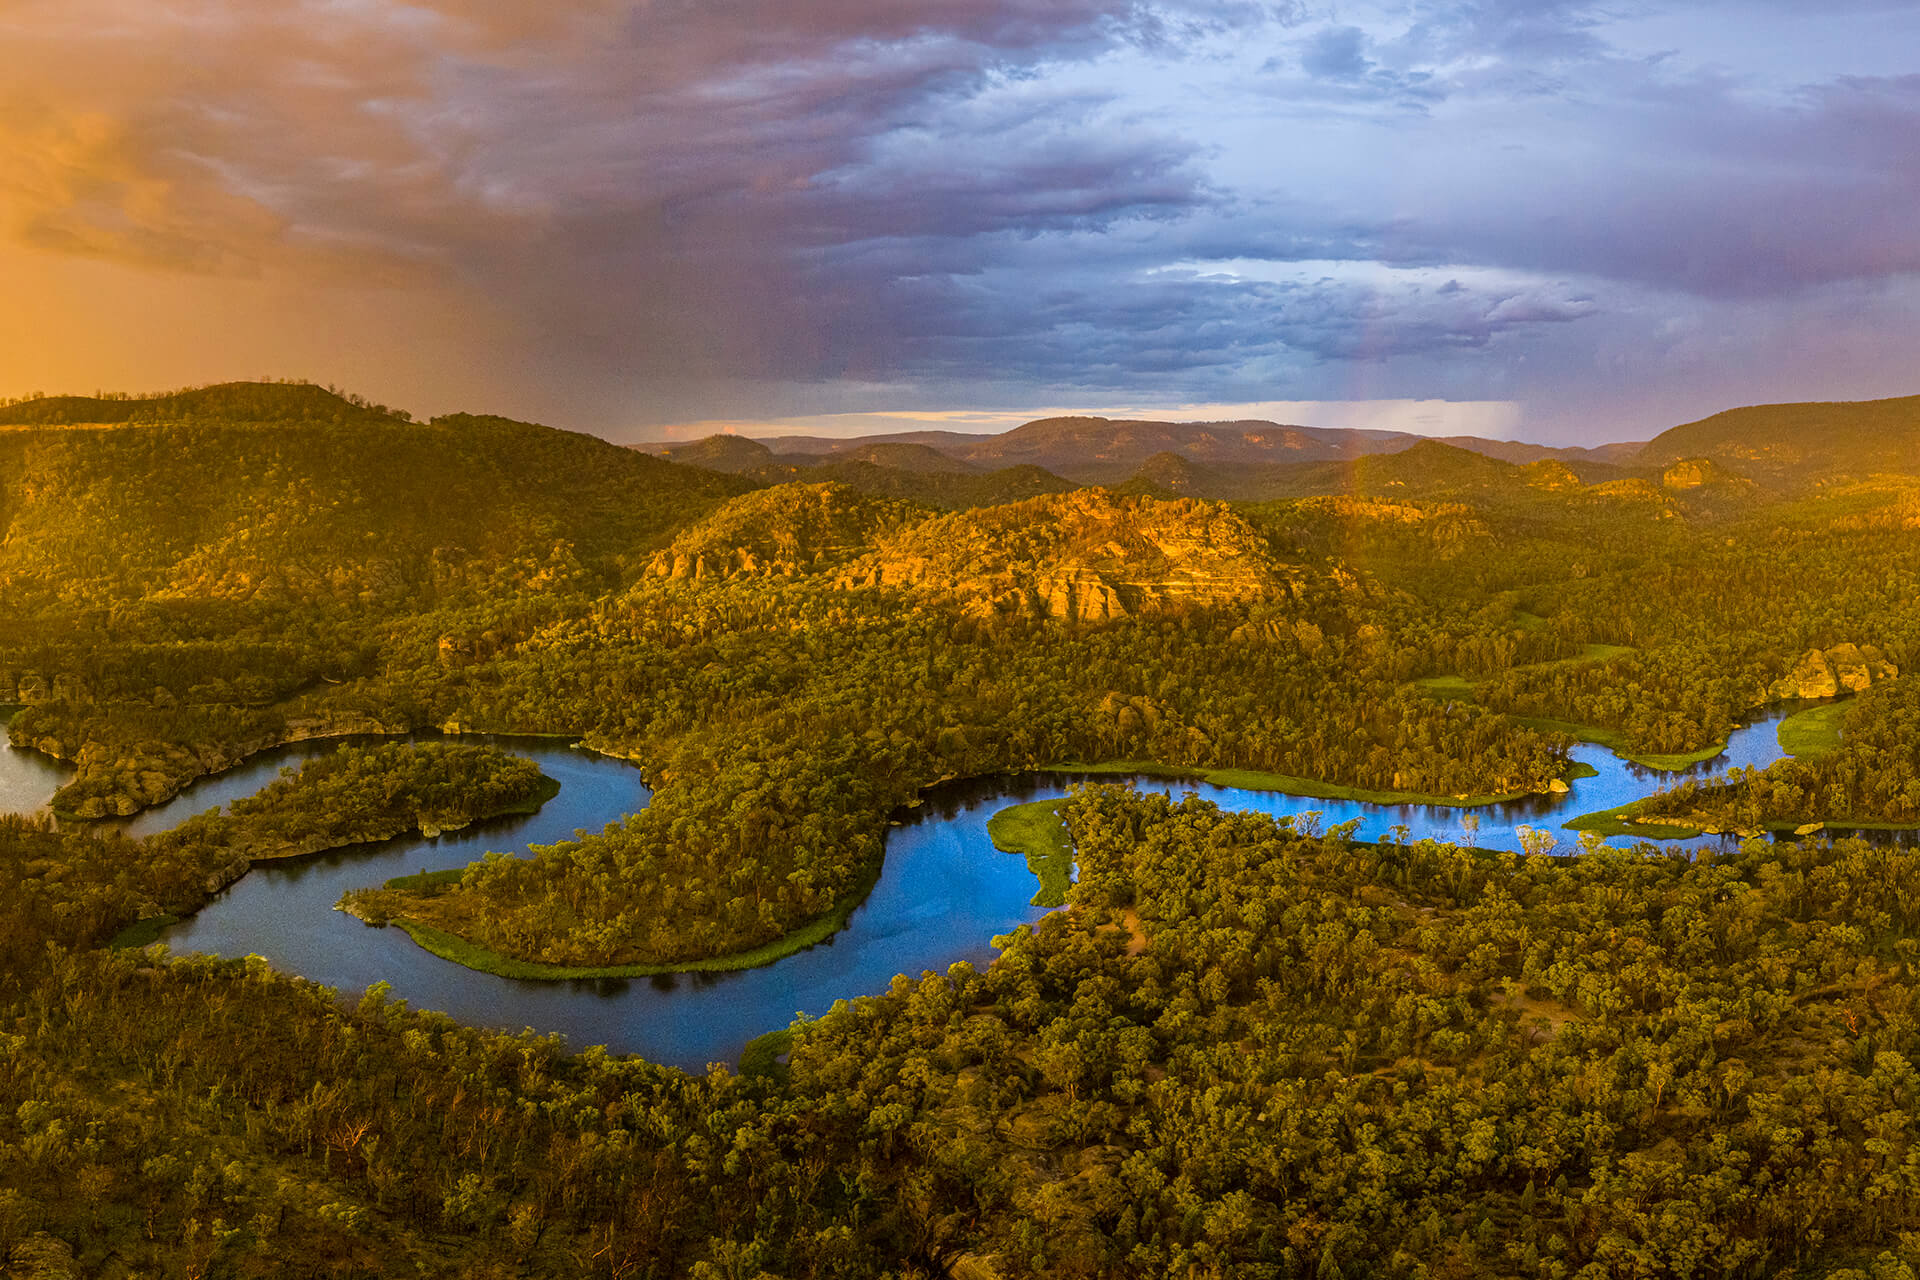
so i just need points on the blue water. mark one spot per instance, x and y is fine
(943, 894)
(27, 778)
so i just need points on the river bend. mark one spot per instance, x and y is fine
(943, 893)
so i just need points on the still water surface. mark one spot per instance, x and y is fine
(943, 893)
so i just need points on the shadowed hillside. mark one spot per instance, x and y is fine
(327, 501)
(786, 530)
(722, 453)
(1793, 443)
(887, 468)
(949, 490)
(1429, 468)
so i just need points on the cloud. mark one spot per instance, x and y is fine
(1338, 53)
(87, 185)
(985, 197)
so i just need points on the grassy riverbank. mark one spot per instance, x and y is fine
(1608, 823)
(449, 946)
(1307, 788)
(1613, 822)
(1616, 742)
(1814, 732)
(141, 933)
(1037, 831)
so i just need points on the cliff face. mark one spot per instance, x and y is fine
(1553, 475)
(1696, 473)
(783, 531)
(1089, 555)
(1823, 673)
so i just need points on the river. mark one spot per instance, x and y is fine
(943, 894)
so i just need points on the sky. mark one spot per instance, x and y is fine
(1541, 219)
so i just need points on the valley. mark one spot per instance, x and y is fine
(805, 680)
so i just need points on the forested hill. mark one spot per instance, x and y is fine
(223, 402)
(1798, 442)
(1781, 448)
(319, 499)
(1093, 450)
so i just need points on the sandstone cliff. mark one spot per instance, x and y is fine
(1089, 555)
(1696, 473)
(1824, 673)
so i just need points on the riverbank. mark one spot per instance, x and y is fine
(277, 824)
(363, 905)
(1036, 831)
(216, 760)
(1815, 731)
(1305, 788)
(1616, 742)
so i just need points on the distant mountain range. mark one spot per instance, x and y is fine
(1718, 463)
(1089, 450)
(1776, 447)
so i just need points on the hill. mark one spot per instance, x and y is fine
(948, 490)
(1428, 468)
(721, 453)
(783, 531)
(1433, 468)
(328, 501)
(1799, 443)
(223, 402)
(1782, 445)
(905, 457)
(1095, 450)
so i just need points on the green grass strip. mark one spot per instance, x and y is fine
(1612, 822)
(1308, 788)
(141, 933)
(1616, 742)
(427, 879)
(1447, 688)
(761, 1057)
(1037, 831)
(1814, 732)
(450, 946)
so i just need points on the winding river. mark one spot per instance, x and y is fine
(943, 893)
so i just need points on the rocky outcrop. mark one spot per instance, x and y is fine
(784, 531)
(29, 687)
(1552, 474)
(1824, 673)
(1633, 490)
(1091, 555)
(1696, 473)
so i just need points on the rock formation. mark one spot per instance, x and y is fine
(780, 532)
(1090, 555)
(1695, 473)
(1824, 673)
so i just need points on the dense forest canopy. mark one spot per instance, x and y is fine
(1244, 1050)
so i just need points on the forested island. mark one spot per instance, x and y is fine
(1246, 1047)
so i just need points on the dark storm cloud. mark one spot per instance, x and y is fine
(1720, 197)
(1079, 193)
